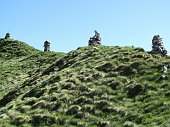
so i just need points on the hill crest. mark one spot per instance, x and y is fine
(10, 48)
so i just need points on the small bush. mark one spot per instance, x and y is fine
(82, 88)
(136, 64)
(115, 85)
(139, 49)
(128, 124)
(125, 70)
(54, 106)
(111, 74)
(81, 115)
(105, 67)
(102, 103)
(88, 108)
(135, 91)
(40, 104)
(83, 100)
(24, 109)
(74, 109)
(19, 120)
(39, 119)
(103, 123)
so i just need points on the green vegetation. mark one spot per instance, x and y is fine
(103, 86)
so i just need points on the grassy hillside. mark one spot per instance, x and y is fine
(10, 49)
(19, 62)
(100, 86)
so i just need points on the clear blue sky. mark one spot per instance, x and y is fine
(69, 24)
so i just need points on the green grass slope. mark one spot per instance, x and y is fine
(100, 86)
(10, 49)
(19, 62)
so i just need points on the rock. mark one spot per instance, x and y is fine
(7, 36)
(95, 40)
(157, 45)
(164, 69)
(46, 46)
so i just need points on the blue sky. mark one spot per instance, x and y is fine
(69, 24)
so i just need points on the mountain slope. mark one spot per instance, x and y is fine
(19, 62)
(10, 48)
(93, 86)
